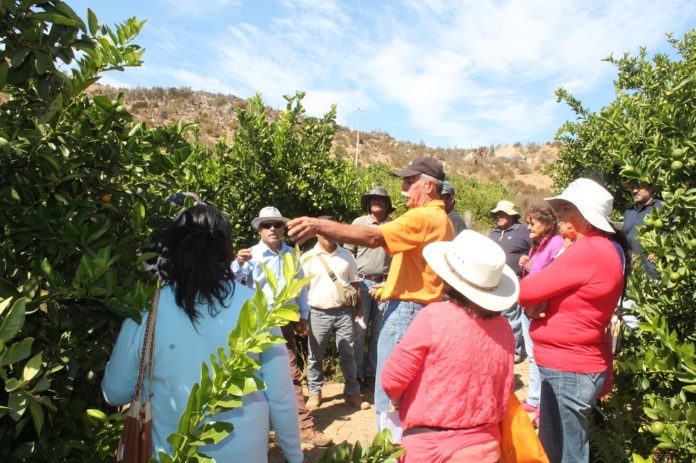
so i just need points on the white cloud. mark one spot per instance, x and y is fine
(318, 102)
(448, 72)
(197, 81)
(293, 52)
(504, 49)
(167, 40)
(107, 79)
(199, 7)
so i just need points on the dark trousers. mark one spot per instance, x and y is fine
(306, 420)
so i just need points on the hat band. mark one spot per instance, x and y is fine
(468, 281)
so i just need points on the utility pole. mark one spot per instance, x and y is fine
(357, 142)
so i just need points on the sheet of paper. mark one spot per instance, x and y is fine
(390, 420)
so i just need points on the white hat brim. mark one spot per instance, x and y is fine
(594, 217)
(495, 300)
(507, 210)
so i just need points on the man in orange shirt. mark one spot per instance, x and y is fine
(411, 283)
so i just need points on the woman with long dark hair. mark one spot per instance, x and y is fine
(199, 306)
(546, 244)
(577, 295)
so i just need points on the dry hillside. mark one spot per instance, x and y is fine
(518, 166)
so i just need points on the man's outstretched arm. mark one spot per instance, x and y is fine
(303, 228)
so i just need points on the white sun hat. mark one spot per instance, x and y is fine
(507, 207)
(268, 214)
(592, 200)
(474, 265)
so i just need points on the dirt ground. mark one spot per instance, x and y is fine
(345, 424)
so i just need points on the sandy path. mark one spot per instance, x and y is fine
(345, 424)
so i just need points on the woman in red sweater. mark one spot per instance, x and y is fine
(451, 374)
(572, 301)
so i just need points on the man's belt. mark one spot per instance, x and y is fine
(378, 278)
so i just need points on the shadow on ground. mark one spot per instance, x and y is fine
(346, 424)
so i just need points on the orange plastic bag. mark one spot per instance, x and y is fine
(519, 441)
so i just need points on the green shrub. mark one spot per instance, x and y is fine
(77, 174)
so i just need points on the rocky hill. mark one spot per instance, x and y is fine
(518, 166)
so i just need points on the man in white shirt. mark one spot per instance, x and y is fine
(329, 266)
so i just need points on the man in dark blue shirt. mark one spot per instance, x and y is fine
(514, 238)
(643, 203)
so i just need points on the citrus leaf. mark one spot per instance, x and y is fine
(14, 320)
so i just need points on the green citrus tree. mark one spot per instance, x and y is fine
(282, 161)
(77, 175)
(648, 134)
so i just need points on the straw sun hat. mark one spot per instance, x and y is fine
(475, 266)
(268, 214)
(506, 207)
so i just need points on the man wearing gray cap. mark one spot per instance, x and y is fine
(373, 267)
(448, 197)
(411, 283)
(270, 225)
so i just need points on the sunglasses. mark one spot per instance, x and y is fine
(268, 225)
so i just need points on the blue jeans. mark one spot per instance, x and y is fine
(321, 324)
(534, 388)
(567, 400)
(397, 318)
(373, 315)
(514, 317)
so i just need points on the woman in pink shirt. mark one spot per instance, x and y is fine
(546, 245)
(572, 301)
(451, 374)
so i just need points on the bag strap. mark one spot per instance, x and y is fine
(332, 275)
(147, 350)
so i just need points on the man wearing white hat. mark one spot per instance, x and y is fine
(270, 225)
(514, 238)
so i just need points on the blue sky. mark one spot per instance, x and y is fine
(450, 73)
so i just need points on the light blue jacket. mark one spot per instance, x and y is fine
(180, 350)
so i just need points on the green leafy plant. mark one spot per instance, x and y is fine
(77, 176)
(380, 451)
(83, 189)
(284, 162)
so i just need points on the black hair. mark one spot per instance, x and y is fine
(468, 305)
(198, 250)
